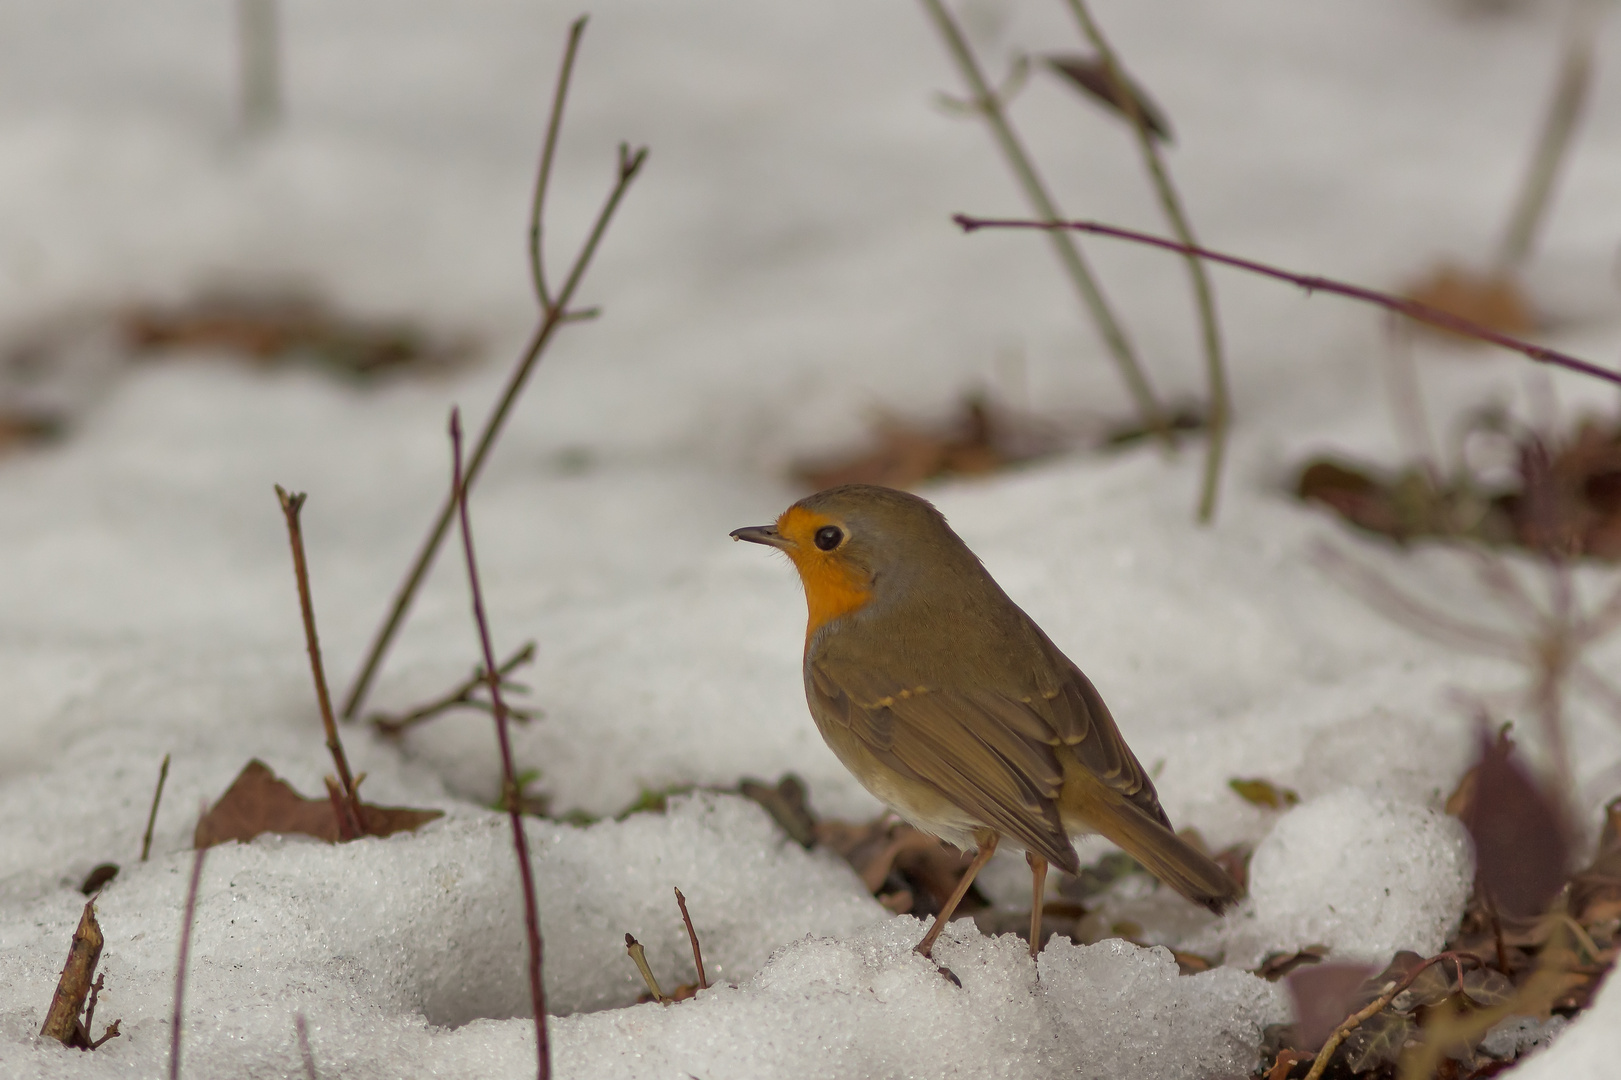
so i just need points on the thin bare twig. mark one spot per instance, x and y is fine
(1353, 1021)
(1385, 597)
(461, 695)
(692, 936)
(185, 956)
(152, 815)
(1219, 412)
(555, 312)
(1554, 138)
(989, 105)
(1402, 306)
(638, 956)
(304, 1051)
(351, 822)
(509, 773)
(543, 175)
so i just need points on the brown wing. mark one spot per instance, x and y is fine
(1076, 714)
(990, 756)
(996, 756)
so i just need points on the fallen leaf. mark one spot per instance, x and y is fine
(259, 802)
(1491, 300)
(786, 804)
(1264, 793)
(271, 327)
(981, 439)
(1091, 76)
(1276, 965)
(1323, 996)
(1522, 847)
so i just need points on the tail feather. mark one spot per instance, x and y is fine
(1167, 856)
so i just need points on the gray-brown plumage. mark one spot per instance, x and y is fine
(948, 702)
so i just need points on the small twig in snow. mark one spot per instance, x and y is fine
(460, 696)
(152, 816)
(988, 105)
(692, 936)
(351, 818)
(1353, 1021)
(1220, 408)
(509, 773)
(638, 956)
(185, 956)
(555, 312)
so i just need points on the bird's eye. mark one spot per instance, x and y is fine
(828, 537)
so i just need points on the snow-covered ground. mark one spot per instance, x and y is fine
(784, 267)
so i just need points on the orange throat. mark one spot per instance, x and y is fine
(832, 586)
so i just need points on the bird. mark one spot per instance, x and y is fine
(951, 706)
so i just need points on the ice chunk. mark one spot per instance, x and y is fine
(1360, 872)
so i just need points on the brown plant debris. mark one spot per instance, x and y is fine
(69, 1017)
(980, 439)
(1564, 496)
(464, 695)
(1522, 845)
(277, 327)
(1491, 299)
(98, 878)
(1323, 995)
(1091, 76)
(1265, 793)
(259, 802)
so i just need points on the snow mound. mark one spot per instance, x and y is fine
(1365, 874)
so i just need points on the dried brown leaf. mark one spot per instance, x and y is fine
(1090, 75)
(1487, 299)
(259, 802)
(1522, 846)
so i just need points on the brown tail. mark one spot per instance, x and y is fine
(1167, 856)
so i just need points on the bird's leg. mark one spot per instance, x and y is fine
(1038, 894)
(987, 848)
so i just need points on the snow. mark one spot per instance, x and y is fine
(784, 267)
(1365, 875)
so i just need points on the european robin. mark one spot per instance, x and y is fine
(951, 706)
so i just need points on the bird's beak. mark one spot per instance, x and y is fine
(763, 534)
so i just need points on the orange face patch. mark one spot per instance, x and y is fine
(833, 587)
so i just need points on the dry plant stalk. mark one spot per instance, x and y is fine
(152, 816)
(692, 936)
(555, 312)
(62, 1019)
(184, 959)
(346, 799)
(1219, 411)
(988, 103)
(1554, 635)
(1423, 313)
(638, 956)
(512, 794)
(1554, 139)
(458, 696)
